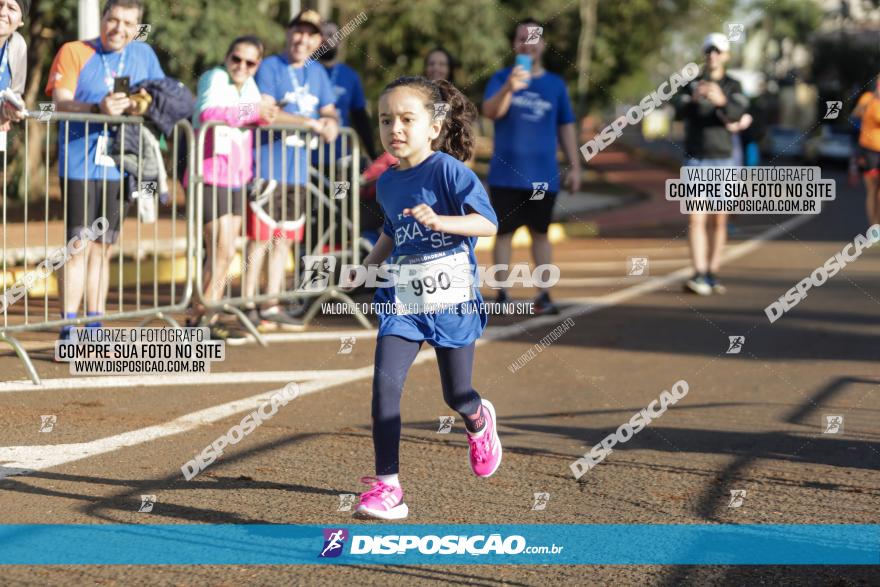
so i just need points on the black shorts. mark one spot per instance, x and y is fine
(86, 203)
(515, 207)
(868, 160)
(228, 202)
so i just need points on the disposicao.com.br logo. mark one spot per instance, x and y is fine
(403, 544)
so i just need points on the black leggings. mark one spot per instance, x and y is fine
(394, 357)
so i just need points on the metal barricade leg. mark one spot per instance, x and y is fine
(160, 316)
(337, 294)
(249, 326)
(23, 356)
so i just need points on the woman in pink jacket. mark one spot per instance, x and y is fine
(229, 95)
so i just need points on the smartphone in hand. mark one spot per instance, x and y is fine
(121, 85)
(525, 61)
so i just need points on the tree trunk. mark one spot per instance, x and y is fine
(586, 40)
(40, 41)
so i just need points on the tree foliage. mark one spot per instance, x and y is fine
(191, 36)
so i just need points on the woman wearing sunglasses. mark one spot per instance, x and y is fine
(229, 95)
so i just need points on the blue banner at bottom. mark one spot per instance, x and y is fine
(405, 544)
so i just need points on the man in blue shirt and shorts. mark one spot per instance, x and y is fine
(82, 80)
(532, 111)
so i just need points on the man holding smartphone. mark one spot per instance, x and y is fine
(92, 77)
(532, 111)
(708, 105)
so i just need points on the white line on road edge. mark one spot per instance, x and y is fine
(167, 380)
(317, 336)
(16, 460)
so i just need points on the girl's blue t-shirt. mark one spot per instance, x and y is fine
(451, 189)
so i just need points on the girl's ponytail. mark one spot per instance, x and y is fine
(457, 136)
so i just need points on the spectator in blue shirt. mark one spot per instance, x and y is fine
(82, 80)
(351, 104)
(532, 112)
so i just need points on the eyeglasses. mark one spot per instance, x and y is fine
(710, 50)
(238, 61)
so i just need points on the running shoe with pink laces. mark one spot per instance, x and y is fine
(382, 501)
(485, 450)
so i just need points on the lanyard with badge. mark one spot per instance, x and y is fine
(102, 157)
(305, 105)
(109, 74)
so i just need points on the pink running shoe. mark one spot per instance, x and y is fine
(485, 450)
(382, 501)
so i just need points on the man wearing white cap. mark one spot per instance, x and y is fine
(707, 105)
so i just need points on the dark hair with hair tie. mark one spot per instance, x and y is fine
(457, 133)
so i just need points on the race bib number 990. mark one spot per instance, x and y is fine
(434, 285)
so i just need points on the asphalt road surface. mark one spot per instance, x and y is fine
(752, 421)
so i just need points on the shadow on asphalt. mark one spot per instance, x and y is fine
(703, 331)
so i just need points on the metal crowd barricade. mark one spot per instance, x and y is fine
(140, 293)
(332, 223)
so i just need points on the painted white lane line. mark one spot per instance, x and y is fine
(117, 382)
(17, 460)
(316, 336)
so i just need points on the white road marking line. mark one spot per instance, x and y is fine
(17, 460)
(316, 336)
(166, 380)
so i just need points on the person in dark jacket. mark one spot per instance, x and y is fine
(707, 105)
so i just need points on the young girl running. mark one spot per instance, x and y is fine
(434, 208)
